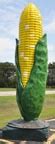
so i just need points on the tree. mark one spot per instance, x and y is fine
(51, 75)
(8, 75)
(6, 71)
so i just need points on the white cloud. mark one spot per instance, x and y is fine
(7, 49)
(6, 43)
(9, 20)
(50, 27)
(51, 47)
(10, 11)
(51, 53)
(6, 15)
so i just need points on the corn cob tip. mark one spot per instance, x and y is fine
(30, 32)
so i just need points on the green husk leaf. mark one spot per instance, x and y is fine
(30, 99)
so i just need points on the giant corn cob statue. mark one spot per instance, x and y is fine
(31, 62)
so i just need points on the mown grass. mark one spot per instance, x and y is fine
(7, 89)
(48, 110)
(9, 109)
(13, 89)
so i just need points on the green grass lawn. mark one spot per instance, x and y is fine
(48, 110)
(50, 88)
(9, 109)
(13, 89)
(7, 89)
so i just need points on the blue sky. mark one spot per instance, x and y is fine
(10, 11)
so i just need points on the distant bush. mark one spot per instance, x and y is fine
(8, 75)
(51, 75)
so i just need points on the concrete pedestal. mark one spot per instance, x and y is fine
(20, 130)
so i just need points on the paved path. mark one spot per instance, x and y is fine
(13, 93)
(7, 93)
(50, 92)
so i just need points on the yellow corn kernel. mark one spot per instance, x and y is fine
(30, 32)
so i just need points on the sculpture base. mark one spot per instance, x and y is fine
(35, 130)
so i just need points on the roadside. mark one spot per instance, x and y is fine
(13, 92)
(7, 93)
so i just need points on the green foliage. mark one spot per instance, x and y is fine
(51, 75)
(8, 78)
(7, 75)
